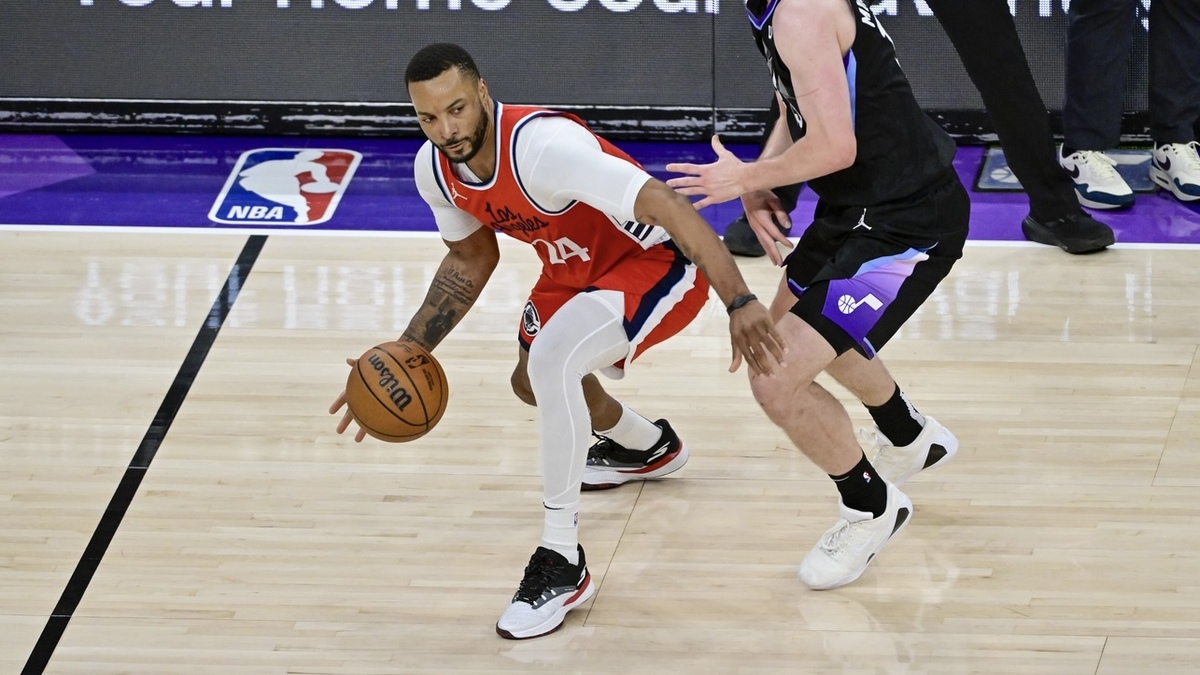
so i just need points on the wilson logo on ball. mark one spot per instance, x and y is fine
(396, 391)
(399, 395)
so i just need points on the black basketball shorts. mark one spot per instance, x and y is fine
(859, 273)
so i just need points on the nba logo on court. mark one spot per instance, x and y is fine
(285, 186)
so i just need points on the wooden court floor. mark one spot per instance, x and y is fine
(1065, 538)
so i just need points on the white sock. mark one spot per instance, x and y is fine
(561, 531)
(633, 431)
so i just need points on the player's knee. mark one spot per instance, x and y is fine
(778, 397)
(541, 361)
(549, 363)
(520, 387)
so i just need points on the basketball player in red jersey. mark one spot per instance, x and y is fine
(626, 263)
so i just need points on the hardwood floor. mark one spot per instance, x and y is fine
(1064, 538)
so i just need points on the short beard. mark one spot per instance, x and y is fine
(474, 142)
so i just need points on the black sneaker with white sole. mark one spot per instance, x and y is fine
(610, 464)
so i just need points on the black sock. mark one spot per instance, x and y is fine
(898, 419)
(862, 489)
(1067, 150)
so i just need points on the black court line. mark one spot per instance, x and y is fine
(56, 625)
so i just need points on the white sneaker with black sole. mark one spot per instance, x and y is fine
(1097, 183)
(934, 447)
(610, 464)
(551, 588)
(845, 550)
(1176, 167)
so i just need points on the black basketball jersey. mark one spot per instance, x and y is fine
(900, 149)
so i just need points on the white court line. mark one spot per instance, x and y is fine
(1119, 245)
(383, 234)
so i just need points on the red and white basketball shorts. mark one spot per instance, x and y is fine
(663, 292)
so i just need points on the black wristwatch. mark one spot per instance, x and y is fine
(740, 302)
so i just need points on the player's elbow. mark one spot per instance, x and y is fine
(479, 250)
(656, 202)
(842, 151)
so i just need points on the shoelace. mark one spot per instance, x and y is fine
(873, 447)
(840, 537)
(538, 575)
(1189, 160)
(870, 438)
(601, 449)
(1102, 164)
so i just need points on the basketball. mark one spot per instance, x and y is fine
(397, 392)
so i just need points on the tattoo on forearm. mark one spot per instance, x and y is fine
(450, 295)
(439, 325)
(452, 285)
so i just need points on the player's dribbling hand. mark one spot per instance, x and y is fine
(753, 336)
(347, 418)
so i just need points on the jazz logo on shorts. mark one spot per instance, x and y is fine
(285, 186)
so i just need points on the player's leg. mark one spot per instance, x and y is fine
(628, 448)
(792, 399)
(904, 442)
(856, 301)
(585, 334)
(658, 294)
(871, 509)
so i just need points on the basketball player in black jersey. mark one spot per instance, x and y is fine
(985, 36)
(890, 222)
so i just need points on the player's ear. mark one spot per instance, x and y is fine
(483, 89)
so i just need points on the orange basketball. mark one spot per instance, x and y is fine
(397, 392)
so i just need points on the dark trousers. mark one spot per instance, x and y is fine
(1099, 39)
(985, 37)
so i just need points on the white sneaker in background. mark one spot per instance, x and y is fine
(1176, 167)
(1097, 183)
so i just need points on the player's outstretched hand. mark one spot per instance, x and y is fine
(753, 335)
(716, 183)
(347, 418)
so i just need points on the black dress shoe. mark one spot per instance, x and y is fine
(1075, 233)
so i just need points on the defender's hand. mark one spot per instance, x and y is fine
(767, 218)
(717, 182)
